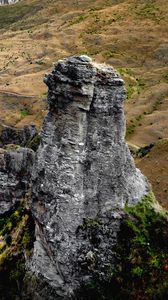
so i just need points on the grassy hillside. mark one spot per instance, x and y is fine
(131, 35)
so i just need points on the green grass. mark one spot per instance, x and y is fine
(134, 85)
(40, 62)
(108, 54)
(11, 221)
(8, 222)
(24, 113)
(135, 89)
(150, 11)
(78, 20)
(125, 71)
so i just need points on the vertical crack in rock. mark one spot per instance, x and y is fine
(83, 175)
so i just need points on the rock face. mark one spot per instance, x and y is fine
(22, 137)
(15, 173)
(82, 178)
(3, 2)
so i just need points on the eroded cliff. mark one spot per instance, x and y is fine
(15, 173)
(78, 219)
(83, 176)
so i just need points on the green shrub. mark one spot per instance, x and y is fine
(34, 143)
(17, 236)
(142, 252)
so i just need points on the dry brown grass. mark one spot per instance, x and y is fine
(131, 35)
(155, 166)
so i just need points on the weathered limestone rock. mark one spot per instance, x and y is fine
(15, 174)
(83, 176)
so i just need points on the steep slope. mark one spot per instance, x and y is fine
(89, 226)
(153, 165)
(130, 35)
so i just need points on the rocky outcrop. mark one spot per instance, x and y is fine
(16, 163)
(15, 173)
(83, 177)
(22, 137)
(6, 2)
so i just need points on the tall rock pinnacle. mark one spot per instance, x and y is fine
(83, 176)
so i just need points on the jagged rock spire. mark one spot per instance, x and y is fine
(83, 173)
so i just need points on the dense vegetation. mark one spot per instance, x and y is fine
(140, 270)
(16, 240)
(142, 253)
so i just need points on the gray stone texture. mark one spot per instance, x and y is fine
(15, 174)
(22, 137)
(83, 176)
(6, 2)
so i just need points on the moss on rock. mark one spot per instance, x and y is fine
(34, 143)
(141, 269)
(16, 240)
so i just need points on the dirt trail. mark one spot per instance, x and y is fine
(9, 93)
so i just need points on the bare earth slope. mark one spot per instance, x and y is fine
(131, 35)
